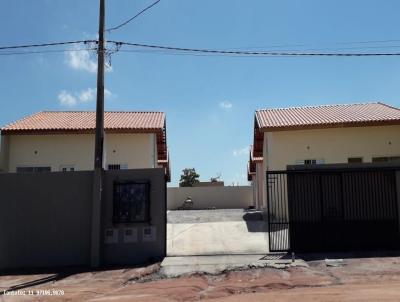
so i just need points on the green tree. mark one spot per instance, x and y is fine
(189, 177)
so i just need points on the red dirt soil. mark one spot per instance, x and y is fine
(367, 279)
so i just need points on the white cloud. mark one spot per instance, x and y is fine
(226, 105)
(67, 99)
(107, 94)
(81, 60)
(241, 151)
(90, 94)
(87, 95)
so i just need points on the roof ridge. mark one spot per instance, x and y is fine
(93, 111)
(389, 106)
(319, 106)
(312, 116)
(52, 120)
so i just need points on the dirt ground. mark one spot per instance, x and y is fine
(361, 279)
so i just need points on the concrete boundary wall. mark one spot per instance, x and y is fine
(45, 220)
(239, 197)
(136, 249)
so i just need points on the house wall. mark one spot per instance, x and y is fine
(135, 150)
(4, 153)
(239, 197)
(333, 145)
(260, 185)
(45, 220)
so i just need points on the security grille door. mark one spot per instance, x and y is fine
(333, 210)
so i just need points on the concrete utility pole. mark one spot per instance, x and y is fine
(99, 141)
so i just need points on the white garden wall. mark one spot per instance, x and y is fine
(239, 197)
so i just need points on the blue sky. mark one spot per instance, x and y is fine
(209, 101)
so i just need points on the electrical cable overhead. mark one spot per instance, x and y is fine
(47, 44)
(134, 17)
(11, 53)
(161, 49)
(313, 45)
(251, 53)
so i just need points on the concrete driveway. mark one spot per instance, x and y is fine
(215, 232)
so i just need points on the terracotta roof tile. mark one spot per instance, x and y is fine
(327, 116)
(85, 120)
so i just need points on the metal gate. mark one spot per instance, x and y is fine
(332, 210)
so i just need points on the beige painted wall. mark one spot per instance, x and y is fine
(207, 197)
(135, 150)
(334, 145)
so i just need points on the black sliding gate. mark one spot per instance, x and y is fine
(332, 210)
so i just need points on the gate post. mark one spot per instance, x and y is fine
(398, 195)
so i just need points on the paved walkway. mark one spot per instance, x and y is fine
(216, 232)
(177, 266)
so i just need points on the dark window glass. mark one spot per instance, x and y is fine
(310, 161)
(354, 160)
(33, 169)
(386, 159)
(114, 167)
(131, 202)
(380, 159)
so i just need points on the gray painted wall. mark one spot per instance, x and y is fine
(129, 253)
(45, 219)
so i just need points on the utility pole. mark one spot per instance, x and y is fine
(99, 141)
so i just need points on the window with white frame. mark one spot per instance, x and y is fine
(310, 161)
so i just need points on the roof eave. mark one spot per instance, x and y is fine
(331, 125)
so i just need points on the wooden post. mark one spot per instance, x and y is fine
(99, 142)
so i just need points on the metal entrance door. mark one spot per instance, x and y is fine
(332, 210)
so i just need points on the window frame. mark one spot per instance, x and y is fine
(115, 218)
(310, 161)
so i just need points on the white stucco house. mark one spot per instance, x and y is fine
(64, 141)
(331, 134)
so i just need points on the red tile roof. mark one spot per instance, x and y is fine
(85, 120)
(327, 116)
(49, 122)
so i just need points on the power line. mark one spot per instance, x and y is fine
(251, 53)
(47, 44)
(315, 49)
(10, 53)
(161, 49)
(309, 44)
(134, 17)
